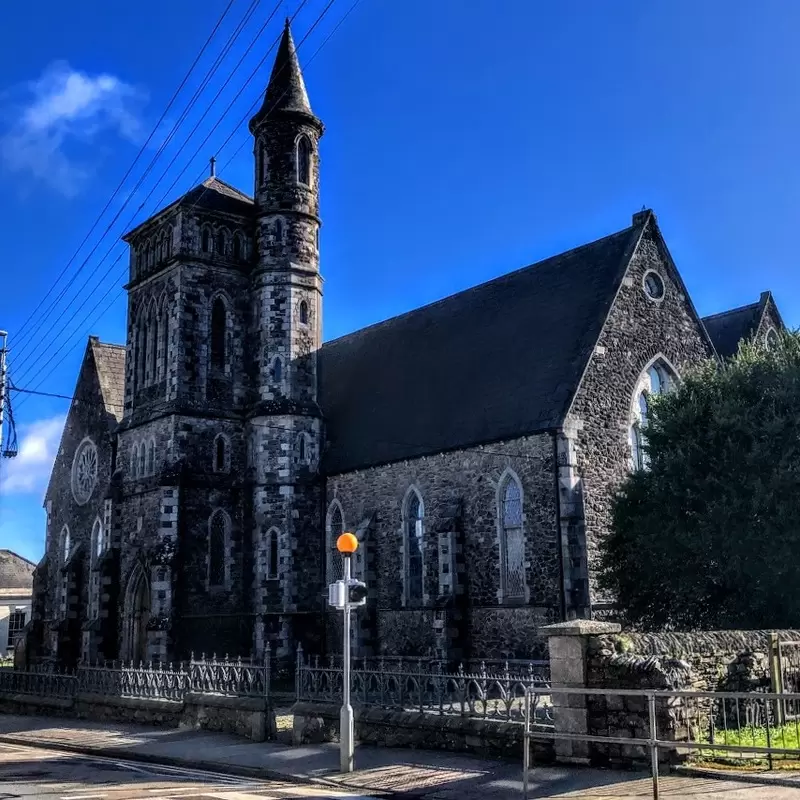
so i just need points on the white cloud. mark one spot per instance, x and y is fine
(29, 471)
(53, 133)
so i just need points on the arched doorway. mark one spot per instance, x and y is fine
(137, 615)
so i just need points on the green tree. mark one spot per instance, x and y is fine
(709, 535)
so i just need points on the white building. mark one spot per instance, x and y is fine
(16, 589)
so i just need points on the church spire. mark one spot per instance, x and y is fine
(286, 90)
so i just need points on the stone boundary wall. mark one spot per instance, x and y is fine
(712, 661)
(250, 717)
(597, 655)
(319, 722)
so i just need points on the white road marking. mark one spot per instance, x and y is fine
(83, 797)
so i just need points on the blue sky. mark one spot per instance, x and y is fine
(464, 140)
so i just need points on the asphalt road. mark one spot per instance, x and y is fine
(32, 772)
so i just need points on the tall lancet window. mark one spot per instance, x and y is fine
(512, 540)
(304, 161)
(657, 379)
(415, 565)
(218, 329)
(335, 530)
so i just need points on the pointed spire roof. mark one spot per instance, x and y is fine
(286, 90)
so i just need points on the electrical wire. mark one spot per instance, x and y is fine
(204, 83)
(112, 286)
(133, 164)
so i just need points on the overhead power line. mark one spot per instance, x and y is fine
(255, 105)
(204, 83)
(157, 205)
(131, 167)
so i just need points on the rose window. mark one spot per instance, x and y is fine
(84, 471)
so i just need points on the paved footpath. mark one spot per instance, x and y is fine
(28, 772)
(379, 771)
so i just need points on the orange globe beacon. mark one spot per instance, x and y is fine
(347, 543)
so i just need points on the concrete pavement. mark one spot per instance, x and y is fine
(380, 771)
(56, 775)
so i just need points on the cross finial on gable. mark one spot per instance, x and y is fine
(213, 163)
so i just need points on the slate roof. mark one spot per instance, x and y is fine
(286, 90)
(496, 361)
(16, 572)
(216, 195)
(728, 328)
(212, 194)
(109, 361)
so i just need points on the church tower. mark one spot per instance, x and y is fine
(284, 423)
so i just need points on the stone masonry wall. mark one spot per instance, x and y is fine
(470, 477)
(637, 330)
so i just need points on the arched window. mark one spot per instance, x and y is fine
(303, 312)
(238, 250)
(656, 380)
(512, 540)
(277, 370)
(772, 339)
(413, 530)
(97, 538)
(151, 457)
(217, 536)
(335, 530)
(222, 242)
(304, 161)
(162, 329)
(148, 254)
(141, 352)
(170, 233)
(160, 248)
(301, 448)
(263, 164)
(218, 329)
(220, 453)
(65, 544)
(142, 457)
(279, 230)
(205, 240)
(152, 346)
(134, 460)
(273, 556)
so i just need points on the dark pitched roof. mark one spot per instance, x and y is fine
(16, 572)
(212, 194)
(109, 360)
(496, 361)
(728, 328)
(216, 195)
(286, 90)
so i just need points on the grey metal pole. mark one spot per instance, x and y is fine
(3, 384)
(651, 713)
(346, 726)
(526, 745)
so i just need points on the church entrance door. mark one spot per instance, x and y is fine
(137, 615)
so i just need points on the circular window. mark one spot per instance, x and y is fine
(84, 471)
(772, 339)
(653, 285)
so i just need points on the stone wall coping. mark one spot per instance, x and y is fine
(145, 703)
(36, 700)
(580, 627)
(226, 701)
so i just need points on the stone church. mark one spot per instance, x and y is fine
(209, 464)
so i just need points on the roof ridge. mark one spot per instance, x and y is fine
(214, 179)
(17, 555)
(496, 279)
(736, 310)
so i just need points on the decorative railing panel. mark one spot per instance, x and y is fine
(234, 678)
(42, 684)
(424, 686)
